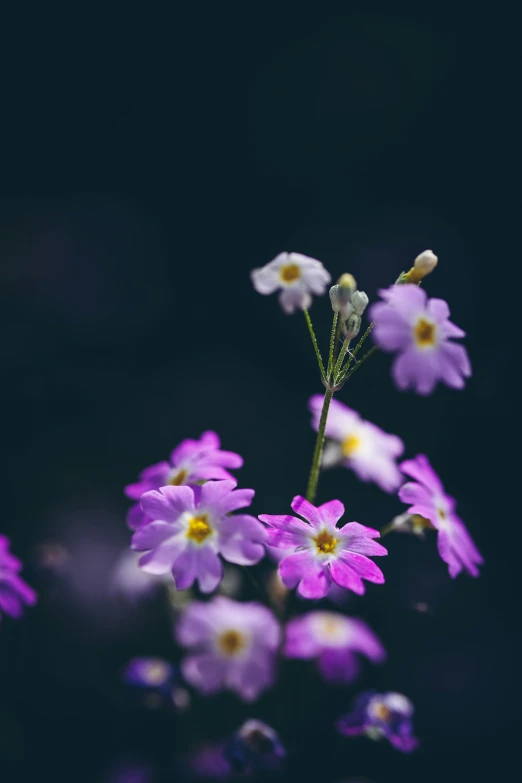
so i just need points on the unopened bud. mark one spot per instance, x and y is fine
(340, 298)
(352, 326)
(359, 301)
(411, 523)
(423, 265)
(347, 281)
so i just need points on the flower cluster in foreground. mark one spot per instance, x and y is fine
(14, 592)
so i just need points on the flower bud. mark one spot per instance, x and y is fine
(347, 281)
(359, 301)
(351, 326)
(423, 265)
(341, 296)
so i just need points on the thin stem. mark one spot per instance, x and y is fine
(263, 592)
(340, 358)
(332, 346)
(318, 451)
(386, 529)
(314, 341)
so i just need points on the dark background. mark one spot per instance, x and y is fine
(359, 134)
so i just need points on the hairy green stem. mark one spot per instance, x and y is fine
(314, 342)
(318, 451)
(332, 346)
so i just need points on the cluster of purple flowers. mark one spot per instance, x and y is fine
(188, 518)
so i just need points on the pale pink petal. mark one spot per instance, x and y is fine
(305, 509)
(204, 671)
(365, 567)
(345, 576)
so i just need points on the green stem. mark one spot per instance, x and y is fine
(386, 529)
(340, 358)
(318, 451)
(332, 346)
(314, 341)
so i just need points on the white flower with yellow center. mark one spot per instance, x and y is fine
(296, 276)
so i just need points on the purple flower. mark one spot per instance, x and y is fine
(153, 674)
(380, 715)
(358, 444)
(428, 499)
(334, 640)
(255, 747)
(191, 527)
(322, 551)
(419, 329)
(233, 646)
(296, 275)
(192, 462)
(14, 592)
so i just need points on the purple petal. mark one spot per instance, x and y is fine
(222, 497)
(249, 677)
(306, 510)
(345, 576)
(417, 369)
(338, 665)
(168, 503)
(152, 535)
(294, 567)
(184, 570)
(315, 583)
(331, 512)
(299, 639)
(161, 559)
(195, 626)
(209, 569)
(204, 671)
(365, 567)
(420, 469)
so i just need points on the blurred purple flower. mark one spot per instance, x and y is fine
(296, 275)
(428, 499)
(14, 592)
(152, 674)
(191, 462)
(233, 646)
(191, 527)
(334, 640)
(322, 551)
(380, 715)
(419, 329)
(358, 444)
(255, 747)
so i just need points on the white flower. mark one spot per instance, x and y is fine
(297, 277)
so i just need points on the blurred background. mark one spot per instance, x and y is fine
(359, 134)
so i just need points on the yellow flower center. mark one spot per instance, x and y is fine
(290, 272)
(231, 642)
(178, 478)
(325, 543)
(350, 444)
(382, 712)
(425, 333)
(198, 529)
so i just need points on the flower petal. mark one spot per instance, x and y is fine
(168, 503)
(294, 567)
